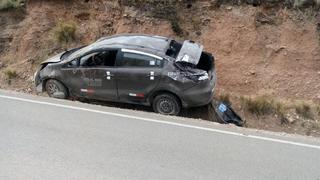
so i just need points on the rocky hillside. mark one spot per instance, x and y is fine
(263, 48)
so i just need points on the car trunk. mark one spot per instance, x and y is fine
(192, 53)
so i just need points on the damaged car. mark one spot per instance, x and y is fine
(133, 68)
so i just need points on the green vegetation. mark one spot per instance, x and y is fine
(10, 74)
(64, 32)
(10, 4)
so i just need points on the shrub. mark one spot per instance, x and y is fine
(10, 74)
(10, 4)
(281, 109)
(167, 10)
(304, 109)
(65, 32)
(176, 28)
(307, 3)
(260, 105)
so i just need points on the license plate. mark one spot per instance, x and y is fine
(222, 108)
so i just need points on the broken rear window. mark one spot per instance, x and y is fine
(174, 49)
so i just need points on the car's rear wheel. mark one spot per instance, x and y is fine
(56, 89)
(166, 104)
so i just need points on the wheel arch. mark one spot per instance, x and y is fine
(158, 92)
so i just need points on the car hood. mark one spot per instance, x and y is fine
(54, 59)
(190, 52)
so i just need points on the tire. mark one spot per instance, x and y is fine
(166, 104)
(56, 89)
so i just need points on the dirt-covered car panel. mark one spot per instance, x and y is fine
(133, 73)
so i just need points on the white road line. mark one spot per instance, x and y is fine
(164, 122)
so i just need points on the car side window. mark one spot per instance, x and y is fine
(98, 59)
(73, 63)
(139, 60)
(87, 60)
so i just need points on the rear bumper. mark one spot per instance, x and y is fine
(199, 95)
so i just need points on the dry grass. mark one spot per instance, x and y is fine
(283, 3)
(260, 105)
(167, 10)
(266, 105)
(302, 3)
(304, 109)
(281, 109)
(225, 98)
(10, 4)
(65, 32)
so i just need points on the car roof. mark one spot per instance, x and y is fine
(153, 43)
(142, 42)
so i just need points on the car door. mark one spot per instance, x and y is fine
(105, 87)
(76, 78)
(89, 79)
(138, 74)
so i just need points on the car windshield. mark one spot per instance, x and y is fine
(68, 53)
(83, 50)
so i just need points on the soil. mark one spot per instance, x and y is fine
(258, 50)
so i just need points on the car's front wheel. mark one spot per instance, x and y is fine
(166, 104)
(56, 89)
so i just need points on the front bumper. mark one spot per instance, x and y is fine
(37, 81)
(39, 88)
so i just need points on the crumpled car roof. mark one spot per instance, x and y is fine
(152, 43)
(147, 41)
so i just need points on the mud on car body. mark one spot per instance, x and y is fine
(133, 68)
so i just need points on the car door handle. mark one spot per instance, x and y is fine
(108, 73)
(151, 75)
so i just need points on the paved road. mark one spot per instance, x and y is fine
(42, 138)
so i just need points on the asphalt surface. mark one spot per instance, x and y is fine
(42, 138)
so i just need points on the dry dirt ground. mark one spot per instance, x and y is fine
(257, 50)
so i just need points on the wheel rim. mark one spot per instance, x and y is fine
(166, 106)
(52, 88)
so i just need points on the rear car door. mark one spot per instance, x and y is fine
(138, 74)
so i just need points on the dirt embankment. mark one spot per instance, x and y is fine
(258, 50)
